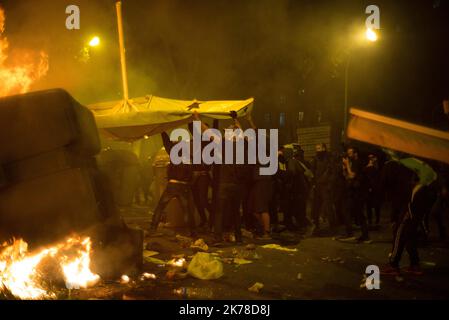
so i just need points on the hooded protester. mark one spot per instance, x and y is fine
(322, 173)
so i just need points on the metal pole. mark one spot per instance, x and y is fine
(345, 122)
(118, 6)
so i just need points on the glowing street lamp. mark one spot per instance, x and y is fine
(94, 42)
(370, 35)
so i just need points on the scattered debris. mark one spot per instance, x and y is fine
(124, 279)
(205, 266)
(174, 275)
(256, 287)
(429, 263)
(185, 242)
(200, 245)
(196, 293)
(155, 260)
(240, 261)
(147, 275)
(227, 260)
(148, 253)
(329, 259)
(178, 263)
(278, 247)
(250, 246)
(374, 282)
(256, 256)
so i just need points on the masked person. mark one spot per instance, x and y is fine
(322, 173)
(230, 182)
(179, 186)
(353, 174)
(260, 192)
(298, 191)
(201, 179)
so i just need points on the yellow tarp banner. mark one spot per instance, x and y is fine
(398, 135)
(151, 115)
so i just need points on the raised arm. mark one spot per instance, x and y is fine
(249, 117)
(237, 124)
(166, 141)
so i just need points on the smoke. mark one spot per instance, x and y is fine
(285, 53)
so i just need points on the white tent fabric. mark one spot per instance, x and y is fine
(151, 115)
(398, 135)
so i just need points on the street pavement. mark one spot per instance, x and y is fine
(320, 268)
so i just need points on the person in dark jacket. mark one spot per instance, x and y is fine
(278, 195)
(178, 186)
(322, 173)
(201, 180)
(297, 190)
(353, 172)
(230, 181)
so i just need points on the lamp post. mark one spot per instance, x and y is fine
(118, 6)
(371, 36)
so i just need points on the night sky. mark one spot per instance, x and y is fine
(289, 55)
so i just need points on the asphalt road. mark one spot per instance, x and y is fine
(328, 268)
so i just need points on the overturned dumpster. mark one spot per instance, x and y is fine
(50, 187)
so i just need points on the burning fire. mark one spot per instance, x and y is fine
(18, 77)
(25, 274)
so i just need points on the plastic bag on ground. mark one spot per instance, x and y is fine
(256, 287)
(205, 266)
(278, 247)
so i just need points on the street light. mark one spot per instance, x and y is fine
(88, 47)
(95, 41)
(371, 36)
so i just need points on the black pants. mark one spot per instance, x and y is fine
(227, 214)
(372, 204)
(322, 206)
(354, 208)
(275, 203)
(406, 236)
(200, 190)
(183, 193)
(247, 208)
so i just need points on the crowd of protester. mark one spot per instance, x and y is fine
(331, 194)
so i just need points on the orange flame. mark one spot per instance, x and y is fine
(24, 275)
(19, 77)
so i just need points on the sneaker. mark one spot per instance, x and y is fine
(390, 270)
(414, 270)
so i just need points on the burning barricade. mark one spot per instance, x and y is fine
(38, 274)
(50, 188)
